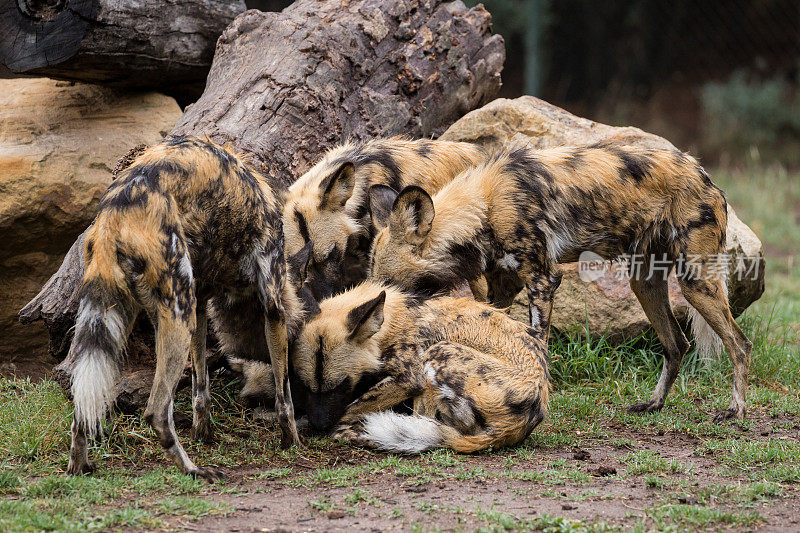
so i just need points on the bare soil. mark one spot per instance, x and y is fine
(610, 494)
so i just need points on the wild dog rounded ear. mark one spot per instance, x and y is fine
(366, 320)
(337, 188)
(412, 215)
(298, 263)
(381, 200)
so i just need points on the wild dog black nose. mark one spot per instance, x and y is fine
(319, 417)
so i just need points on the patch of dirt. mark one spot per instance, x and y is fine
(34, 368)
(394, 502)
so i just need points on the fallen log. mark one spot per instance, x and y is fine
(145, 44)
(288, 86)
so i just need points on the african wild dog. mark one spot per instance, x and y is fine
(477, 378)
(329, 203)
(515, 217)
(188, 231)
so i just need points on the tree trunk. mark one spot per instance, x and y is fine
(144, 44)
(288, 86)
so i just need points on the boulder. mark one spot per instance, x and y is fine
(59, 142)
(601, 303)
(529, 121)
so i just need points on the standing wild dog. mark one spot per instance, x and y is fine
(477, 378)
(329, 203)
(188, 231)
(515, 217)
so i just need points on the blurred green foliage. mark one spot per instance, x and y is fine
(743, 112)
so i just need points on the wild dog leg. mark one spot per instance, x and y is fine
(278, 345)
(479, 288)
(653, 294)
(201, 396)
(79, 452)
(708, 297)
(541, 292)
(541, 275)
(173, 343)
(382, 396)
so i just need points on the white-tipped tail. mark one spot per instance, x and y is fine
(706, 339)
(402, 433)
(99, 338)
(93, 380)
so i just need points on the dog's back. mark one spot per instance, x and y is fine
(608, 198)
(484, 380)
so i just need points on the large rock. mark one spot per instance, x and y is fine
(531, 122)
(601, 303)
(59, 142)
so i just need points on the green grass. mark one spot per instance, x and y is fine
(555, 473)
(773, 460)
(497, 521)
(693, 517)
(190, 507)
(34, 442)
(34, 419)
(321, 505)
(650, 462)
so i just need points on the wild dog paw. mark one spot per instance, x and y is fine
(80, 469)
(347, 433)
(208, 473)
(730, 413)
(350, 433)
(646, 407)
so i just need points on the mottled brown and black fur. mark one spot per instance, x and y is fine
(329, 204)
(190, 231)
(515, 217)
(476, 377)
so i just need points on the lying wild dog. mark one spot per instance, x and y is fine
(515, 217)
(477, 378)
(188, 231)
(329, 203)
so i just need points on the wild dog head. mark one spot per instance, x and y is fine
(316, 210)
(336, 357)
(309, 282)
(403, 252)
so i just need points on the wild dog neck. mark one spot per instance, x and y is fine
(429, 244)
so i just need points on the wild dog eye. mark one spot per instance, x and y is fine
(343, 387)
(302, 226)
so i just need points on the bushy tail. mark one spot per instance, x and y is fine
(413, 434)
(101, 327)
(706, 340)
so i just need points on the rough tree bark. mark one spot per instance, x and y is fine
(288, 86)
(145, 44)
